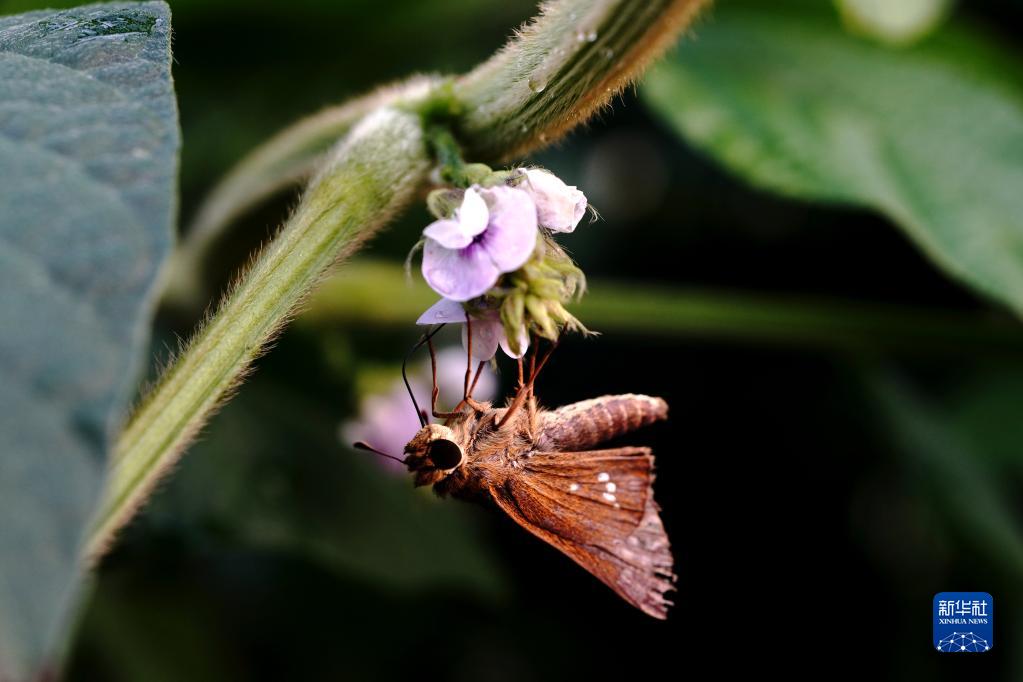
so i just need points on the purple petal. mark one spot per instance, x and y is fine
(448, 233)
(511, 235)
(458, 274)
(443, 311)
(486, 335)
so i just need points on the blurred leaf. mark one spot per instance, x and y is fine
(965, 484)
(986, 409)
(898, 22)
(272, 474)
(795, 105)
(88, 155)
(378, 292)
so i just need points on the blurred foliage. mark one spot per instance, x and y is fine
(789, 102)
(788, 471)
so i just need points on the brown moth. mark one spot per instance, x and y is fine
(542, 468)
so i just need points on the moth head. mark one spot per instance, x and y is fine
(433, 454)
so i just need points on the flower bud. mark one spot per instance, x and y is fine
(559, 207)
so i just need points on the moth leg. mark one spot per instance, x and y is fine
(466, 391)
(435, 391)
(525, 393)
(472, 387)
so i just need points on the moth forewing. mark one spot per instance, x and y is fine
(596, 506)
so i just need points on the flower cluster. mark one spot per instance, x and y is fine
(491, 255)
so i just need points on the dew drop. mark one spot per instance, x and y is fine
(607, 53)
(591, 36)
(537, 83)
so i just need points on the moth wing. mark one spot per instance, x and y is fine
(597, 507)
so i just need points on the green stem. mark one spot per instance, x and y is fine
(501, 110)
(285, 160)
(372, 174)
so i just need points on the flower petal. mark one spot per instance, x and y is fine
(559, 207)
(444, 311)
(469, 220)
(458, 274)
(511, 234)
(473, 214)
(523, 343)
(486, 335)
(448, 233)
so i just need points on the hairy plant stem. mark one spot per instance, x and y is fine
(373, 173)
(582, 52)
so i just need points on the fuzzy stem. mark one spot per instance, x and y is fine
(561, 69)
(286, 159)
(499, 114)
(372, 174)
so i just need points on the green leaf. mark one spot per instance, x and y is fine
(793, 104)
(88, 159)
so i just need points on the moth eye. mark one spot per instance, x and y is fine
(444, 454)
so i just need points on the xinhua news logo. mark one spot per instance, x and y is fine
(964, 622)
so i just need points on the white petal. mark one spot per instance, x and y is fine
(473, 214)
(444, 311)
(559, 207)
(470, 219)
(523, 343)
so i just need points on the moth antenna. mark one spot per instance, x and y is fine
(404, 375)
(359, 445)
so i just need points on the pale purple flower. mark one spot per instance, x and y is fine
(387, 421)
(464, 256)
(559, 207)
(488, 332)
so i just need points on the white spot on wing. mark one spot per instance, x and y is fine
(609, 497)
(611, 487)
(573, 487)
(603, 477)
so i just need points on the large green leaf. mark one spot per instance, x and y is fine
(88, 158)
(931, 136)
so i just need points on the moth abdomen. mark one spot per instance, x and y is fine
(589, 423)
